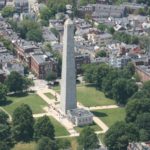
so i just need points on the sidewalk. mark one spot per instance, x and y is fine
(64, 121)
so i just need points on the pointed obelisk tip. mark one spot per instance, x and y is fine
(69, 22)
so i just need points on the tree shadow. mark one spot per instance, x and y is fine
(90, 85)
(21, 94)
(99, 114)
(7, 102)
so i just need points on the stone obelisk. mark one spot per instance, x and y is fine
(68, 79)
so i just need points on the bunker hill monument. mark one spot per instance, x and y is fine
(68, 102)
(68, 82)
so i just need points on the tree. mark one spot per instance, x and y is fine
(46, 143)
(101, 53)
(123, 89)
(44, 127)
(51, 76)
(95, 73)
(4, 146)
(3, 117)
(130, 69)
(18, 80)
(111, 30)
(144, 135)
(34, 35)
(8, 11)
(143, 124)
(63, 144)
(102, 27)
(3, 93)
(28, 29)
(45, 13)
(88, 139)
(136, 107)
(85, 2)
(119, 135)
(119, 91)
(5, 134)
(22, 123)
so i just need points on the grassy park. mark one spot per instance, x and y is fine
(25, 146)
(110, 116)
(89, 96)
(32, 145)
(59, 129)
(93, 126)
(33, 100)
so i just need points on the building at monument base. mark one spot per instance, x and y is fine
(80, 116)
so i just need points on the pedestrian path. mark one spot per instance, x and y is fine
(64, 121)
(10, 118)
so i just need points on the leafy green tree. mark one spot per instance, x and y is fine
(4, 146)
(28, 29)
(8, 11)
(44, 127)
(5, 134)
(45, 13)
(46, 143)
(3, 117)
(3, 93)
(143, 123)
(146, 86)
(18, 80)
(102, 27)
(119, 135)
(130, 68)
(8, 44)
(63, 144)
(142, 94)
(144, 135)
(34, 35)
(111, 30)
(101, 53)
(85, 2)
(123, 89)
(119, 91)
(88, 139)
(108, 81)
(136, 107)
(22, 123)
(95, 73)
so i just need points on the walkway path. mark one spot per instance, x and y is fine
(64, 121)
(10, 118)
(53, 111)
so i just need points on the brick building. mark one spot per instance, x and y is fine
(41, 64)
(80, 60)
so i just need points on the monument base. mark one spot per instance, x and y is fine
(80, 116)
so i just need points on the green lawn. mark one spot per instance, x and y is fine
(110, 116)
(49, 95)
(56, 88)
(59, 129)
(93, 126)
(33, 100)
(32, 145)
(89, 96)
(25, 146)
